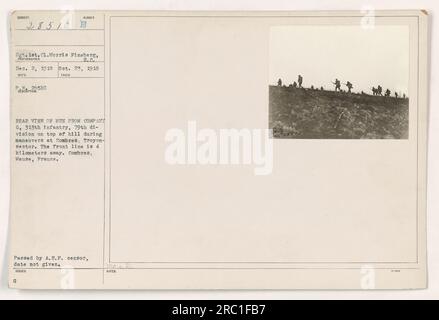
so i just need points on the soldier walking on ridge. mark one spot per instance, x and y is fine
(350, 86)
(337, 85)
(279, 82)
(300, 80)
(387, 93)
(396, 95)
(379, 91)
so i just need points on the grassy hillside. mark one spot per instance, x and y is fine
(315, 114)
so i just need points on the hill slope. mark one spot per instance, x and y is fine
(319, 114)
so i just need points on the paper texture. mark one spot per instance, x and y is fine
(218, 150)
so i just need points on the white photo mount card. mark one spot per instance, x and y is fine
(218, 150)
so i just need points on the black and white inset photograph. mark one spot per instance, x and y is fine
(339, 82)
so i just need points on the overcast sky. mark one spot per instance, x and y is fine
(365, 57)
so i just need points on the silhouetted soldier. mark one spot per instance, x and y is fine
(379, 91)
(279, 82)
(312, 87)
(321, 89)
(396, 95)
(300, 81)
(388, 93)
(350, 86)
(337, 85)
(403, 95)
(294, 84)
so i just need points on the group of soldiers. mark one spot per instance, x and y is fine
(337, 84)
(295, 84)
(375, 91)
(378, 91)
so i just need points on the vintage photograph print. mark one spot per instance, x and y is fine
(339, 82)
